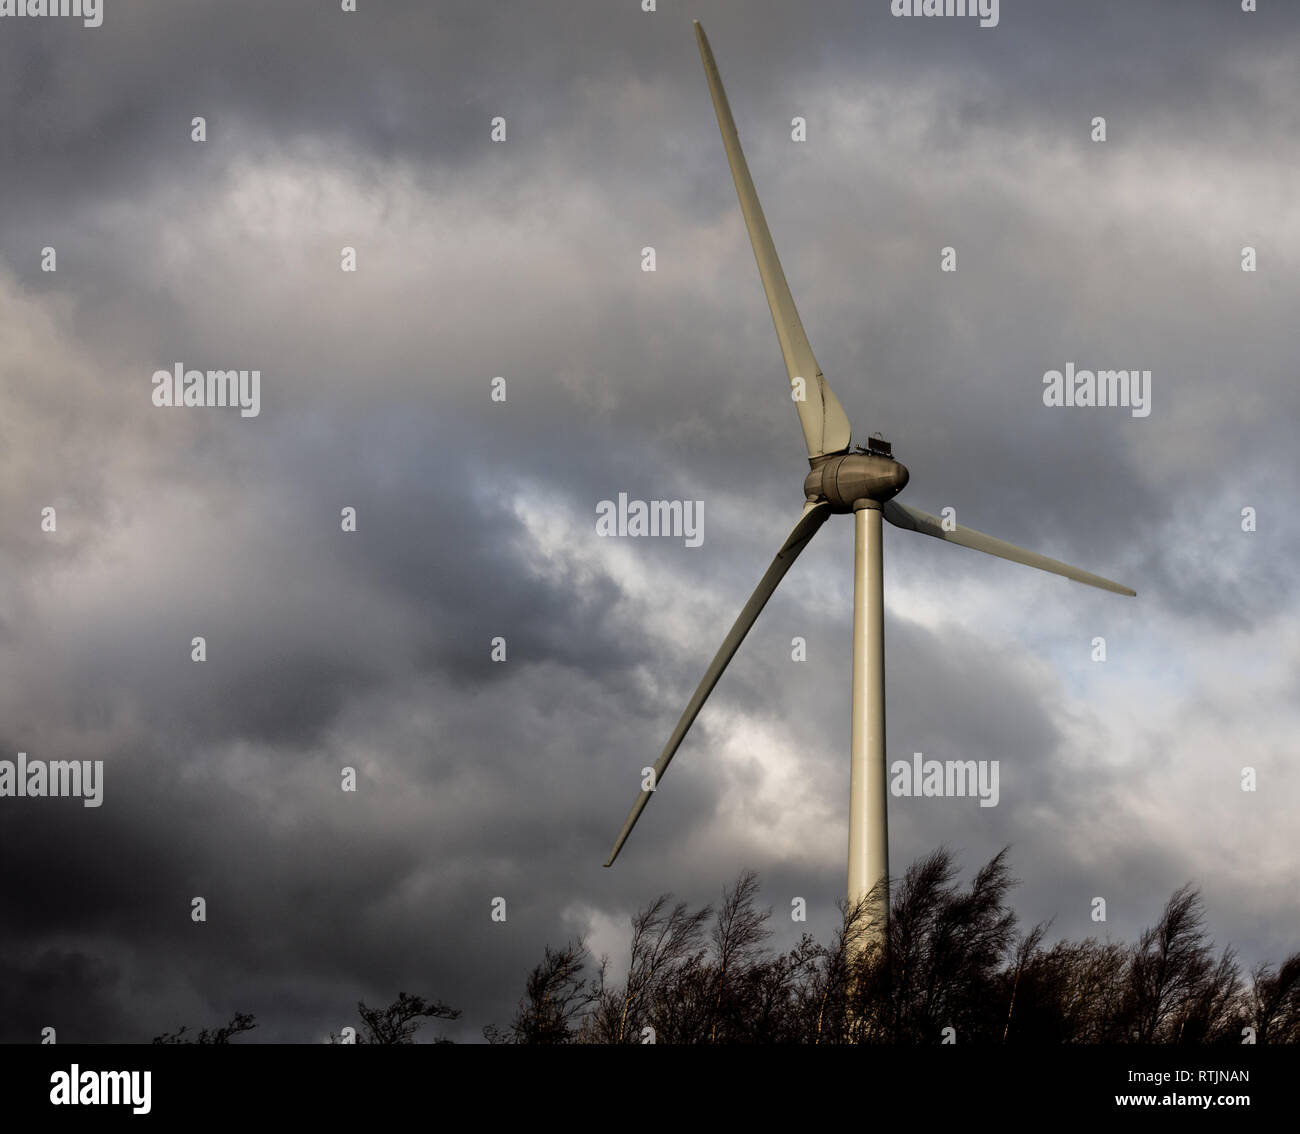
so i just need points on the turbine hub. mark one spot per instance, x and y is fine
(844, 478)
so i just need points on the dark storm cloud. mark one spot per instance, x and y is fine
(371, 650)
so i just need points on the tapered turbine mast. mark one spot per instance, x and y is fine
(861, 482)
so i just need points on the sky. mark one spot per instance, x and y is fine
(475, 518)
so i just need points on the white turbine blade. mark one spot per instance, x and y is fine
(902, 516)
(825, 424)
(814, 515)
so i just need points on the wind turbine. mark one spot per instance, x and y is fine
(863, 482)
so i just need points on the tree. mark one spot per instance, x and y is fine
(942, 961)
(738, 935)
(664, 950)
(239, 1023)
(398, 1023)
(1167, 968)
(555, 999)
(1273, 1007)
(1026, 953)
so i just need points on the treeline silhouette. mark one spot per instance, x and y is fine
(954, 959)
(955, 968)
(395, 1024)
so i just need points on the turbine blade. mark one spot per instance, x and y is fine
(814, 515)
(825, 424)
(902, 516)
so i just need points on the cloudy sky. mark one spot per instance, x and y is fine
(522, 259)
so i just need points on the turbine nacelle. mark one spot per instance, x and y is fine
(842, 479)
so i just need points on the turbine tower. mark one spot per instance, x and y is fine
(860, 481)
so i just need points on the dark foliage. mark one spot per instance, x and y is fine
(399, 1022)
(952, 965)
(240, 1022)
